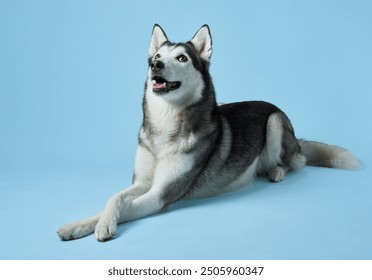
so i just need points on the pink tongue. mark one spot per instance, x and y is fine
(159, 86)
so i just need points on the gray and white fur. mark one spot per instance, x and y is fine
(190, 147)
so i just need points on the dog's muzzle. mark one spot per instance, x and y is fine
(161, 85)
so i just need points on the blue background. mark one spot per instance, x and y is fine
(71, 82)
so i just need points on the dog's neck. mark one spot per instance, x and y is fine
(164, 117)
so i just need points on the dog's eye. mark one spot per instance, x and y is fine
(157, 56)
(182, 58)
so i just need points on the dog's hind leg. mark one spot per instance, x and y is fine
(292, 156)
(282, 152)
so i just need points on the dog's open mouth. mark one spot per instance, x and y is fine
(161, 85)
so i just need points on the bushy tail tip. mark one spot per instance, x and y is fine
(324, 155)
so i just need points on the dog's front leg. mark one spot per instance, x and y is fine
(113, 212)
(121, 208)
(87, 226)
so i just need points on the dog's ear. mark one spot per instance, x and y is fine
(202, 41)
(158, 38)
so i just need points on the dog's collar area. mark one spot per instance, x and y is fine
(161, 85)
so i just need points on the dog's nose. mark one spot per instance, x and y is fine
(156, 65)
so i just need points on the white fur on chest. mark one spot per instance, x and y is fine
(165, 121)
(162, 114)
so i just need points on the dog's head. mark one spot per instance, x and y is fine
(176, 71)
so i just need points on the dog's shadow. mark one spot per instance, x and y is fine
(260, 184)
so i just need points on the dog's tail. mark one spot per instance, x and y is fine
(324, 155)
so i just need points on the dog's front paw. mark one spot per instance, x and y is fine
(75, 230)
(105, 229)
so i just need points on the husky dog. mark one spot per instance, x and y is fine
(190, 147)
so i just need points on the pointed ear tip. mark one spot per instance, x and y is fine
(206, 26)
(157, 27)
(207, 29)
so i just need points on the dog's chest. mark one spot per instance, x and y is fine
(165, 142)
(166, 132)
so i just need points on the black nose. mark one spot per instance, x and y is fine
(156, 65)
